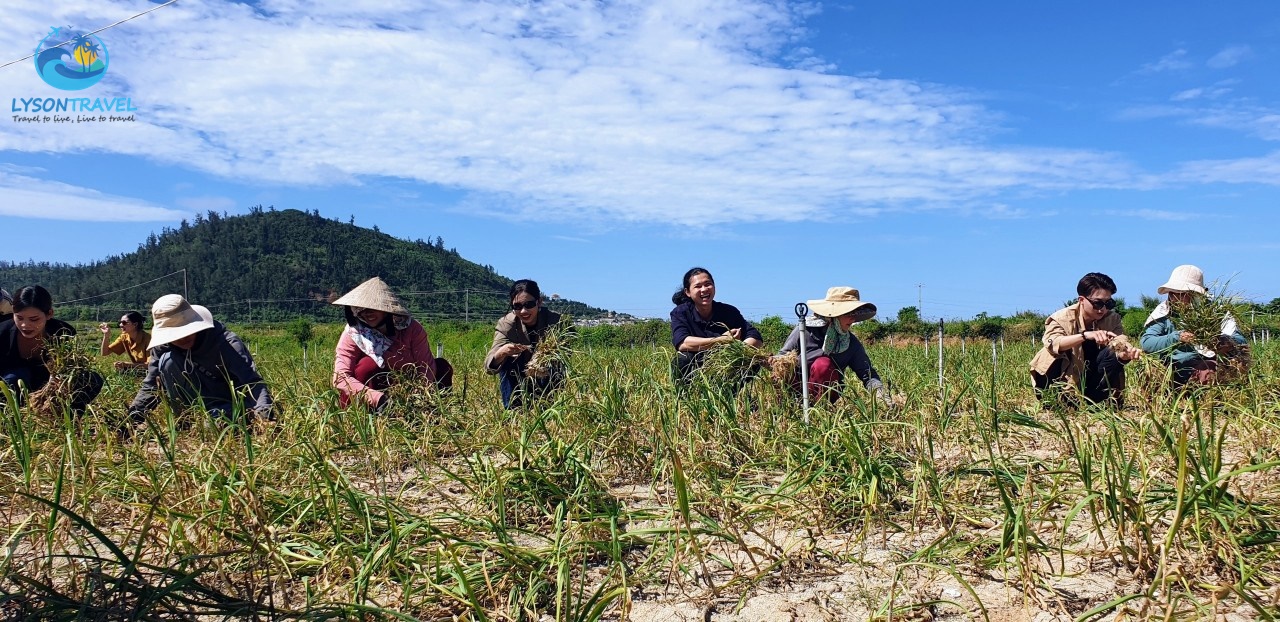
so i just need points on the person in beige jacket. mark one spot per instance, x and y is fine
(514, 340)
(1081, 353)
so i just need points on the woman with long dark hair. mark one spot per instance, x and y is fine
(699, 322)
(25, 343)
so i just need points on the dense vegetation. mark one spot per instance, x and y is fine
(273, 265)
(629, 498)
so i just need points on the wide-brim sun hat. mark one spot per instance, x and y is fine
(842, 300)
(173, 318)
(373, 294)
(6, 302)
(1185, 278)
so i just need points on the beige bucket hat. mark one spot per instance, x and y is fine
(1185, 278)
(173, 318)
(842, 300)
(6, 302)
(373, 294)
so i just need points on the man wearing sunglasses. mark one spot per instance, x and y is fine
(1081, 353)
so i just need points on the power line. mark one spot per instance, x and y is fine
(67, 302)
(155, 8)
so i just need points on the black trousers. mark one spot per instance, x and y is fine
(1103, 377)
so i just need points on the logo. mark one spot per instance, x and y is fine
(71, 60)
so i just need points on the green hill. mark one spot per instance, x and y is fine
(273, 265)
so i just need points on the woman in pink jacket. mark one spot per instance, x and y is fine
(380, 342)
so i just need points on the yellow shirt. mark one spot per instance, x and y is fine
(137, 350)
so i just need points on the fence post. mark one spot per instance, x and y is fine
(940, 374)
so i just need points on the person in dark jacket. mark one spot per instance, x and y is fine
(515, 338)
(699, 323)
(24, 349)
(831, 347)
(199, 363)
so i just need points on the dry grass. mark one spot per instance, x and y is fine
(627, 497)
(553, 349)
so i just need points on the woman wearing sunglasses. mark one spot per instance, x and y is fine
(381, 343)
(514, 339)
(133, 341)
(1078, 357)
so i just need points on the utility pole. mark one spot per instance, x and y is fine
(920, 299)
(466, 304)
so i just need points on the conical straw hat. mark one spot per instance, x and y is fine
(373, 294)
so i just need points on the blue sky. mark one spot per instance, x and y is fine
(993, 152)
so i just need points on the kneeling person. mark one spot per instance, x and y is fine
(198, 362)
(1078, 352)
(831, 347)
(381, 340)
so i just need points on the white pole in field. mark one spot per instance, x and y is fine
(940, 357)
(802, 310)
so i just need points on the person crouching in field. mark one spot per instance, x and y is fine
(1085, 349)
(199, 364)
(133, 341)
(831, 347)
(27, 343)
(515, 338)
(1185, 351)
(699, 323)
(381, 340)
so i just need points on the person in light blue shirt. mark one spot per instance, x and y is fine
(1189, 354)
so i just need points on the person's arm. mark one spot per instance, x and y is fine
(1059, 338)
(858, 361)
(746, 331)
(503, 347)
(345, 357)
(239, 365)
(420, 349)
(105, 329)
(146, 399)
(682, 334)
(792, 344)
(1159, 336)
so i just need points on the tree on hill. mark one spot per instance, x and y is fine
(275, 265)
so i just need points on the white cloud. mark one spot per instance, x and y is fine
(29, 197)
(1151, 214)
(1000, 211)
(1173, 61)
(675, 111)
(1202, 107)
(1229, 56)
(1261, 170)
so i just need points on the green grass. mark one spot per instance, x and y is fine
(623, 485)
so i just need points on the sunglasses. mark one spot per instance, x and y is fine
(524, 306)
(1099, 304)
(125, 322)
